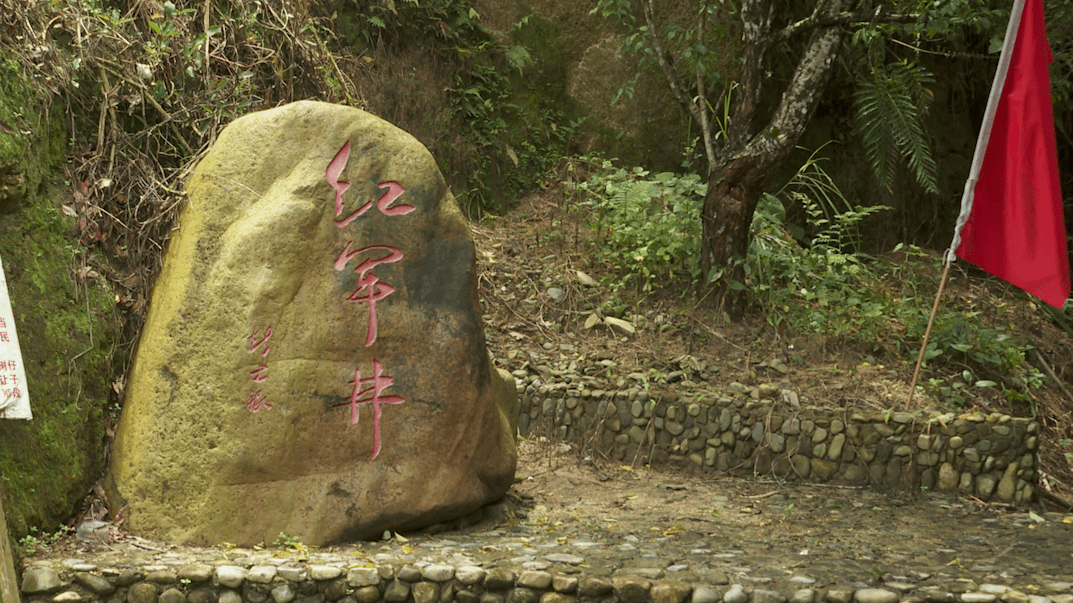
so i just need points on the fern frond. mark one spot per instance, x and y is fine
(889, 110)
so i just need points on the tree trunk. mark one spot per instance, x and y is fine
(734, 190)
(735, 185)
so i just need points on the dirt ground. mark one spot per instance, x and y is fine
(543, 243)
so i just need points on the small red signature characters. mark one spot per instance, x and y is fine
(256, 400)
(376, 385)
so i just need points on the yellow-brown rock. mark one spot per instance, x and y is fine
(320, 263)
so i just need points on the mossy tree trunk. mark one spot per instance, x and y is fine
(751, 156)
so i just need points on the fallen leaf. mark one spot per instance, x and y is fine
(68, 211)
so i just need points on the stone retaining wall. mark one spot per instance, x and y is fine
(765, 430)
(290, 582)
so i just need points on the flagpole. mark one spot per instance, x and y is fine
(974, 172)
(927, 334)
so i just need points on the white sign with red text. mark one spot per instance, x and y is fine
(14, 395)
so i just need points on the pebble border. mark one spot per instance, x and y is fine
(765, 430)
(291, 582)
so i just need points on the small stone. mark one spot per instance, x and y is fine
(469, 574)
(426, 592)
(284, 593)
(563, 584)
(620, 326)
(499, 578)
(69, 596)
(358, 577)
(164, 577)
(293, 574)
(555, 597)
(230, 576)
(736, 594)
(839, 595)
(556, 294)
(1014, 596)
(198, 572)
(804, 595)
(521, 595)
(231, 596)
(934, 595)
(438, 572)
(40, 579)
(876, 595)
(670, 591)
(142, 592)
(584, 280)
(537, 580)
(977, 598)
(592, 320)
(397, 592)
(367, 594)
(706, 594)
(172, 595)
(261, 574)
(95, 584)
(631, 589)
(324, 572)
(335, 590)
(564, 558)
(768, 596)
(594, 586)
(206, 595)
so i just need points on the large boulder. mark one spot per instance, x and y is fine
(313, 362)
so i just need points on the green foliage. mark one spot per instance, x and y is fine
(510, 140)
(889, 110)
(647, 225)
(285, 542)
(813, 281)
(66, 323)
(36, 539)
(816, 281)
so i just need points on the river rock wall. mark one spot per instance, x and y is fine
(765, 430)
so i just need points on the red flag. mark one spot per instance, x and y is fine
(1016, 229)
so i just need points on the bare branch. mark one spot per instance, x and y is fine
(756, 28)
(801, 97)
(816, 19)
(698, 110)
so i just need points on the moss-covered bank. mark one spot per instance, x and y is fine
(66, 323)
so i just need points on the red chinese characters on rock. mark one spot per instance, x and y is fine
(376, 385)
(369, 287)
(257, 400)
